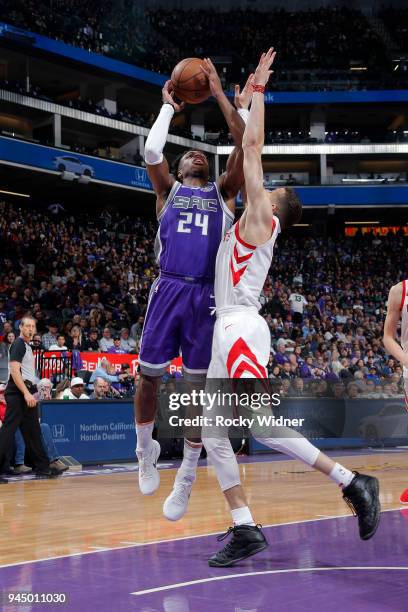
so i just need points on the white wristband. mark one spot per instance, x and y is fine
(157, 136)
(244, 114)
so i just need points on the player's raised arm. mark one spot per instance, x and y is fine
(231, 180)
(157, 165)
(391, 323)
(259, 212)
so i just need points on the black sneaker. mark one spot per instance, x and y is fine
(3, 481)
(48, 473)
(362, 496)
(246, 540)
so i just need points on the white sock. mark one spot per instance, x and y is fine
(242, 516)
(144, 435)
(341, 475)
(191, 455)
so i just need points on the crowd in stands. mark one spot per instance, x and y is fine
(86, 280)
(396, 20)
(325, 39)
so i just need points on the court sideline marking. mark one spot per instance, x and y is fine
(192, 537)
(177, 585)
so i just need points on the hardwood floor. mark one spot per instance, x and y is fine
(48, 518)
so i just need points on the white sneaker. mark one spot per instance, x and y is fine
(149, 477)
(175, 506)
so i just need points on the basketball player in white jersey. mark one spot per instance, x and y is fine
(241, 343)
(397, 309)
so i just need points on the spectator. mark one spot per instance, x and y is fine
(74, 341)
(49, 447)
(106, 341)
(117, 348)
(372, 375)
(92, 343)
(297, 388)
(136, 329)
(62, 386)
(280, 356)
(5, 345)
(285, 387)
(126, 387)
(297, 303)
(59, 345)
(286, 371)
(51, 337)
(338, 390)
(44, 389)
(36, 343)
(307, 369)
(275, 373)
(76, 390)
(100, 389)
(102, 372)
(126, 342)
(353, 391)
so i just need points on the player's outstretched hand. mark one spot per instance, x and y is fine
(168, 97)
(214, 80)
(263, 71)
(242, 99)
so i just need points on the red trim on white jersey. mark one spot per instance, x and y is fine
(241, 258)
(238, 349)
(236, 274)
(238, 237)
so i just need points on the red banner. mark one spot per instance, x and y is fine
(91, 361)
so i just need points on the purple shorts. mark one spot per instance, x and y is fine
(178, 320)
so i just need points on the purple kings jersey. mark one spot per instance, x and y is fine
(192, 224)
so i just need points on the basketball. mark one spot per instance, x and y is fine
(189, 81)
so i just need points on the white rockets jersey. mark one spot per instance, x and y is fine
(241, 269)
(404, 320)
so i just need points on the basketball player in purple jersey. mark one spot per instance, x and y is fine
(193, 215)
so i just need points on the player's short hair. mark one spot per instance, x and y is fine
(176, 163)
(290, 208)
(174, 168)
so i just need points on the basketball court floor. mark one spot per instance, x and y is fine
(95, 538)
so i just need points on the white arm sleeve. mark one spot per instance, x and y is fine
(157, 136)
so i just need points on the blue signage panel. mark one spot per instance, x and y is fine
(336, 97)
(49, 158)
(375, 195)
(92, 431)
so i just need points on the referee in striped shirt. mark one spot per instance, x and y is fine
(22, 409)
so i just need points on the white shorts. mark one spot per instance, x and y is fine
(241, 345)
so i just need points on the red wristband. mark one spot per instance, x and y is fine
(258, 88)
